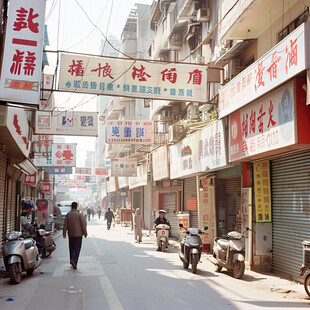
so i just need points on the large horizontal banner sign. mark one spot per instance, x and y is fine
(68, 123)
(132, 78)
(22, 56)
(124, 167)
(133, 132)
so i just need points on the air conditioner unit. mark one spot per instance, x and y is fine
(194, 8)
(176, 133)
(193, 113)
(203, 15)
(165, 115)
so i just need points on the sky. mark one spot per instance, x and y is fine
(69, 29)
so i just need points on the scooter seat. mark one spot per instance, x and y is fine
(28, 243)
(223, 243)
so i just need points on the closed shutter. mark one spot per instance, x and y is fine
(190, 200)
(2, 196)
(233, 191)
(290, 211)
(170, 207)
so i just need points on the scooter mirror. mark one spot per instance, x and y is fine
(181, 225)
(205, 228)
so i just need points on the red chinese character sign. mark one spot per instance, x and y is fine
(30, 179)
(265, 125)
(281, 63)
(133, 78)
(64, 155)
(23, 49)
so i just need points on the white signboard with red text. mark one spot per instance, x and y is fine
(30, 179)
(82, 170)
(281, 63)
(133, 132)
(101, 171)
(16, 120)
(160, 163)
(64, 154)
(133, 78)
(42, 143)
(265, 125)
(200, 151)
(67, 123)
(23, 50)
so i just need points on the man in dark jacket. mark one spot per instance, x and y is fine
(161, 219)
(109, 215)
(76, 225)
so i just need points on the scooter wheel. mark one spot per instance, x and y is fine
(238, 269)
(15, 273)
(163, 246)
(307, 284)
(194, 263)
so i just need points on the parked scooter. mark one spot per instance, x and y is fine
(306, 265)
(229, 253)
(162, 233)
(20, 255)
(191, 247)
(44, 239)
(45, 242)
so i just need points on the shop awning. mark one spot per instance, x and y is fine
(27, 166)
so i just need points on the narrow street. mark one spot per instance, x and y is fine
(116, 273)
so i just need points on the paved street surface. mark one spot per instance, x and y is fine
(116, 273)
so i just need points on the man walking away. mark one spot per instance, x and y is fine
(138, 226)
(109, 215)
(76, 225)
(99, 212)
(88, 213)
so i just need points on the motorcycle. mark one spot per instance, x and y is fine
(20, 255)
(191, 247)
(162, 233)
(229, 253)
(306, 265)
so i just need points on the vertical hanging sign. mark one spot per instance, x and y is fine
(262, 191)
(23, 49)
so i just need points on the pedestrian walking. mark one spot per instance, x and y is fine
(109, 215)
(88, 213)
(92, 212)
(99, 212)
(138, 226)
(75, 224)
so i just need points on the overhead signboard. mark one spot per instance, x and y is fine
(281, 63)
(68, 123)
(132, 132)
(42, 143)
(133, 78)
(124, 167)
(141, 178)
(23, 50)
(58, 170)
(83, 170)
(64, 154)
(101, 171)
(201, 151)
(30, 179)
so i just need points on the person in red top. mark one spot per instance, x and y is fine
(75, 224)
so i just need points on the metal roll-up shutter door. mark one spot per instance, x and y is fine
(290, 187)
(2, 196)
(11, 208)
(170, 207)
(233, 189)
(190, 197)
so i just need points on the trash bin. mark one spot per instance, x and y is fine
(183, 218)
(306, 253)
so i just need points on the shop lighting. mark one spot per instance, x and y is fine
(211, 183)
(200, 186)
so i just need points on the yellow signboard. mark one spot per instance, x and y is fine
(262, 191)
